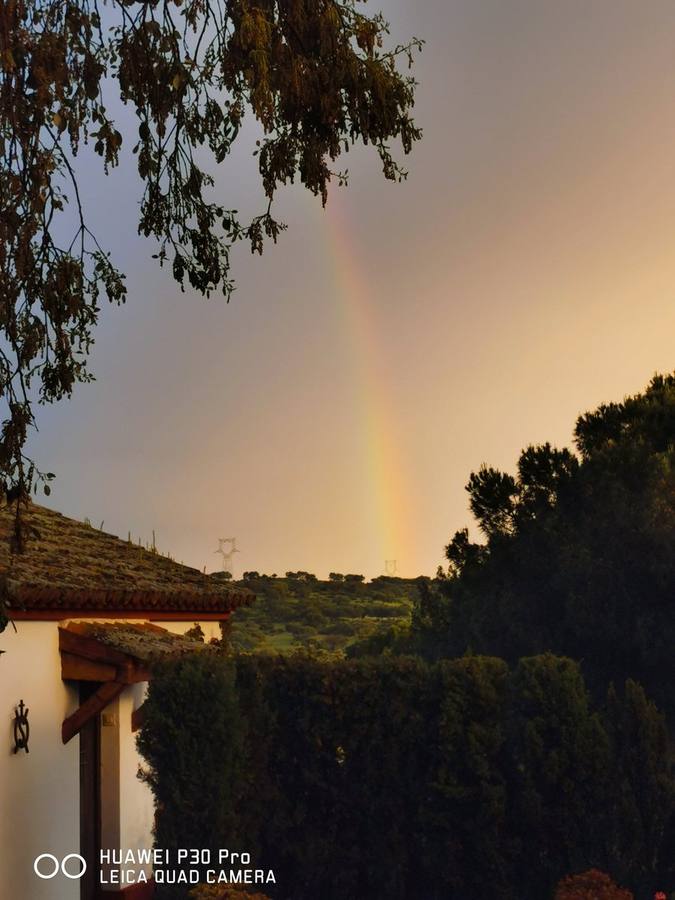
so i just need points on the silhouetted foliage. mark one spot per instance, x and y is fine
(393, 778)
(317, 77)
(196, 713)
(578, 556)
(225, 892)
(591, 885)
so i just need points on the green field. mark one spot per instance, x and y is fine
(302, 611)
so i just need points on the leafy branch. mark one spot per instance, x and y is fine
(316, 75)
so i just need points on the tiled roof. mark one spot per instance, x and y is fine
(143, 642)
(72, 566)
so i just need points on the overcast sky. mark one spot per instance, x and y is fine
(330, 415)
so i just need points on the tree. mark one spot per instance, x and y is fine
(318, 77)
(640, 743)
(578, 553)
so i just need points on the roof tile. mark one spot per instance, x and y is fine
(70, 565)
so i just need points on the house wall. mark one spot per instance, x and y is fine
(39, 790)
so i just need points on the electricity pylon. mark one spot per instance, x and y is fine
(227, 554)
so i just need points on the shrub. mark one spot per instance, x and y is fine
(192, 741)
(218, 892)
(391, 778)
(591, 885)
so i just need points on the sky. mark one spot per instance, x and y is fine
(329, 416)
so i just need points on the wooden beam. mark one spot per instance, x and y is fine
(76, 668)
(90, 708)
(89, 648)
(132, 672)
(86, 659)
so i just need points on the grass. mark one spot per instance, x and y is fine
(302, 611)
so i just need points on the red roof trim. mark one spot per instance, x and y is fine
(55, 614)
(70, 567)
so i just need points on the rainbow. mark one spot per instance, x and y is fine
(388, 506)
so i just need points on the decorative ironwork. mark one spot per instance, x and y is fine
(21, 727)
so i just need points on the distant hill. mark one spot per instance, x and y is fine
(301, 611)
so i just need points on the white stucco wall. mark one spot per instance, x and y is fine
(130, 815)
(39, 790)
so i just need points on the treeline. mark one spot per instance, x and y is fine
(382, 587)
(577, 555)
(397, 779)
(333, 577)
(301, 611)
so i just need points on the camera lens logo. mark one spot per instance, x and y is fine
(47, 866)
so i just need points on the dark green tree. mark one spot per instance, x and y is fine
(578, 553)
(197, 699)
(639, 823)
(560, 757)
(393, 778)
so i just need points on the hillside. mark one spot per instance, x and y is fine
(301, 611)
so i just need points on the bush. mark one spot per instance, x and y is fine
(392, 778)
(591, 885)
(192, 740)
(232, 892)
(344, 627)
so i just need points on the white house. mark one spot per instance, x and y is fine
(84, 606)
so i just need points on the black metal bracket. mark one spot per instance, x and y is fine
(21, 727)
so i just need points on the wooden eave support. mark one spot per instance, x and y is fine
(86, 659)
(76, 668)
(90, 708)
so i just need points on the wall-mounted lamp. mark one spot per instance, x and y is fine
(21, 727)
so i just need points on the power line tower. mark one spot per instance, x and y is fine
(390, 568)
(227, 554)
